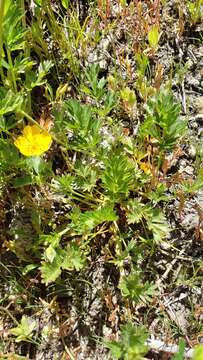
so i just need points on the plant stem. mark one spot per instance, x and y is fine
(27, 53)
(3, 309)
(11, 69)
(2, 3)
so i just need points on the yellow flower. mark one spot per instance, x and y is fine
(34, 141)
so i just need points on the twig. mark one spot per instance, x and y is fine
(2, 309)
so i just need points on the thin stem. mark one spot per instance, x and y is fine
(3, 309)
(11, 69)
(2, 3)
(27, 52)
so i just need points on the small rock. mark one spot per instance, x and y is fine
(192, 151)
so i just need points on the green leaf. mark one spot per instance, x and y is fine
(29, 268)
(153, 36)
(83, 223)
(52, 239)
(34, 79)
(82, 123)
(10, 102)
(96, 87)
(65, 3)
(198, 352)
(157, 223)
(117, 177)
(51, 271)
(162, 121)
(13, 31)
(24, 330)
(22, 181)
(115, 348)
(180, 354)
(75, 258)
(39, 166)
(133, 288)
(131, 345)
(136, 211)
(50, 253)
(9, 156)
(128, 96)
(197, 184)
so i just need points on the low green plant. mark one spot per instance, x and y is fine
(117, 178)
(195, 10)
(133, 288)
(162, 120)
(24, 330)
(156, 223)
(131, 345)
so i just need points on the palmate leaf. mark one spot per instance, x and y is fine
(9, 102)
(70, 258)
(162, 120)
(83, 223)
(96, 87)
(131, 345)
(117, 176)
(83, 124)
(157, 223)
(75, 258)
(133, 288)
(38, 78)
(50, 271)
(136, 211)
(155, 219)
(13, 32)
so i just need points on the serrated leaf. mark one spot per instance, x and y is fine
(50, 253)
(133, 288)
(136, 211)
(53, 239)
(117, 176)
(131, 345)
(84, 222)
(162, 120)
(75, 258)
(50, 271)
(157, 223)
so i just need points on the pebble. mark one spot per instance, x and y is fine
(192, 151)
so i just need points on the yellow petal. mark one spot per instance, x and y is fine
(24, 146)
(27, 132)
(34, 141)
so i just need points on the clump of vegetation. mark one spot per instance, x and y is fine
(89, 169)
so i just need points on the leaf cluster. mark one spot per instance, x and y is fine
(131, 345)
